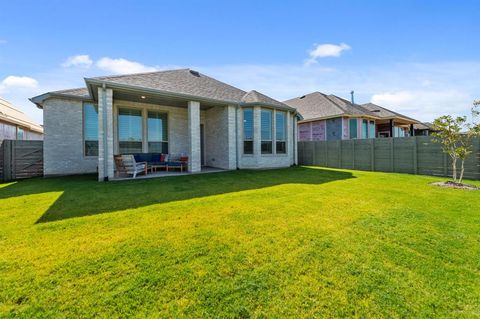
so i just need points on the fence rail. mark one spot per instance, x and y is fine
(414, 155)
(20, 159)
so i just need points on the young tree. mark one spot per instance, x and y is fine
(457, 144)
(448, 131)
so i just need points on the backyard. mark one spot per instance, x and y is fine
(296, 242)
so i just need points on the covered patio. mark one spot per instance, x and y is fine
(140, 120)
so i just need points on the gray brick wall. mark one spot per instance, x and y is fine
(63, 139)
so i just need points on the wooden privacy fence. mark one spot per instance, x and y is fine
(414, 155)
(20, 159)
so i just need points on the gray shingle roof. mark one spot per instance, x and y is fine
(255, 97)
(319, 105)
(80, 92)
(382, 112)
(183, 81)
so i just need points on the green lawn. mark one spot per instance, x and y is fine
(298, 242)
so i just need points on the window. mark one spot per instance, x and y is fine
(248, 131)
(371, 129)
(364, 129)
(157, 132)
(90, 129)
(353, 128)
(19, 133)
(129, 131)
(281, 132)
(266, 131)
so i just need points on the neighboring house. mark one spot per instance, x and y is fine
(423, 129)
(15, 125)
(329, 117)
(174, 112)
(390, 123)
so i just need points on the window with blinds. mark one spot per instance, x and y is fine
(90, 129)
(266, 131)
(353, 128)
(281, 132)
(248, 131)
(129, 131)
(364, 129)
(157, 126)
(371, 129)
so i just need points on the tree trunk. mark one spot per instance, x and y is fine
(454, 169)
(461, 171)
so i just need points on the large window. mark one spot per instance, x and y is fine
(371, 129)
(90, 129)
(266, 131)
(353, 128)
(157, 132)
(364, 129)
(19, 133)
(129, 131)
(281, 132)
(248, 131)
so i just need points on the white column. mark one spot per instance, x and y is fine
(257, 133)
(295, 139)
(194, 161)
(105, 133)
(239, 136)
(232, 137)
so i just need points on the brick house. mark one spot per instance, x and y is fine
(329, 117)
(174, 112)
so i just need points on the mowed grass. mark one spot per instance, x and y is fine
(299, 242)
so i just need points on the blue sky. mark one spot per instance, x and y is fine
(416, 57)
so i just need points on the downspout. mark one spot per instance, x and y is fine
(236, 136)
(105, 129)
(295, 156)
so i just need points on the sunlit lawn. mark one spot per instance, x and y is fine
(298, 242)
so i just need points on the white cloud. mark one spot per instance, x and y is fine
(326, 50)
(123, 66)
(2, 41)
(393, 98)
(17, 82)
(82, 61)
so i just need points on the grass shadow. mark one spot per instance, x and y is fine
(84, 196)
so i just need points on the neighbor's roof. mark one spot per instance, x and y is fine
(317, 105)
(423, 126)
(184, 83)
(384, 113)
(11, 115)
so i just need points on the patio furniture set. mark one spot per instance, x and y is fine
(138, 163)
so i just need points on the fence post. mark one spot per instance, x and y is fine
(314, 155)
(7, 160)
(415, 161)
(392, 154)
(445, 167)
(353, 153)
(339, 154)
(372, 154)
(326, 153)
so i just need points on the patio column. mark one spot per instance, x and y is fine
(194, 161)
(257, 133)
(105, 134)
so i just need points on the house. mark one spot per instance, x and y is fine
(15, 125)
(329, 117)
(423, 129)
(390, 123)
(175, 112)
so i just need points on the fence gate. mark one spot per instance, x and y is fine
(20, 159)
(414, 155)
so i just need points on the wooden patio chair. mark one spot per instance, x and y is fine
(132, 167)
